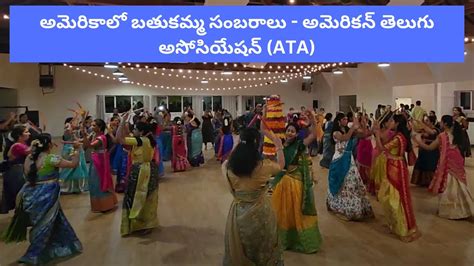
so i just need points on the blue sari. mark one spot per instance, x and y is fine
(328, 146)
(194, 137)
(51, 235)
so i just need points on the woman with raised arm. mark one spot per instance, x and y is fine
(425, 166)
(51, 235)
(293, 198)
(140, 204)
(394, 193)
(73, 180)
(101, 188)
(347, 195)
(251, 236)
(450, 179)
(13, 178)
(460, 118)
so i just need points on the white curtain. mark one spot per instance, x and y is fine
(100, 107)
(197, 106)
(230, 103)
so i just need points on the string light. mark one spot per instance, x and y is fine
(294, 76)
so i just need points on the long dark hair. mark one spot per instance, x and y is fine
(336, 127)
(146, 132)
(459, 109)
(39, 145)
(245, 156)
(458, 136)
(17, 132)
(403, 129)
(102, 126)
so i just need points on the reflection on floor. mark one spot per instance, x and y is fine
(193, 208)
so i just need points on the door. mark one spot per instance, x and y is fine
(346, 102)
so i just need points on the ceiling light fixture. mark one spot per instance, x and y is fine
(384, 65)
(337, 71)
(284, 81)
(122, 78)
(126, 81)
(306, 77)
(118, 73)
(227, 73)
(204, 81)
(5, 16)
(107, 65)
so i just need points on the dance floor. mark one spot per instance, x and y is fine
(193, 209)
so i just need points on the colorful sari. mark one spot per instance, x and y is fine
(394, 193)
(140, 203)
(118, 158)
(166, 142)
(74, 180)
(251, 235)
(293, 201)
(160, 148)
(179, 161)
(347, 196)
(13, 177)
(226, 144)
(194, 142)
(101, 188)
(328, 146)
(425, 165)
(378, 170)
(51, 235)
(455, 199)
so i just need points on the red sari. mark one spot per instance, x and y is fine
(394, 193)
(449, 181)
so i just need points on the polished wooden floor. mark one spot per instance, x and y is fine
(193, 208)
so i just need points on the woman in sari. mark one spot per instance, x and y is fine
(101, 188)
(179, 161)
(450, 180)
(364, 152)
(378, 169)
(460, 118)
(347, 196)
(51, 236)
(73, 180)
(425, 166)
(226, 143)
(394, 193)
(194, 142)
(118, 157)
(165, 137)
(13, 178)
(139, 213)
(251, 236)
(292, 198)
(328, 145)
(207, 129)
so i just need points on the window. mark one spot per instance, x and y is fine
(123, 103)
(174, 104)
(248, 102)
(216, 103)
(162, 101)
(465, 100)
(187, 101)
(207, 103)
(109, 104)
(259, 100)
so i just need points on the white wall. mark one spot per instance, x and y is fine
(75, 86)
(433, 84)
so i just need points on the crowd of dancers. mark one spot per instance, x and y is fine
(366, 156)
(274, 205)
(123, 155)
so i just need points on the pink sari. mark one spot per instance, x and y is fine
(450, 161)
(101, 162)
